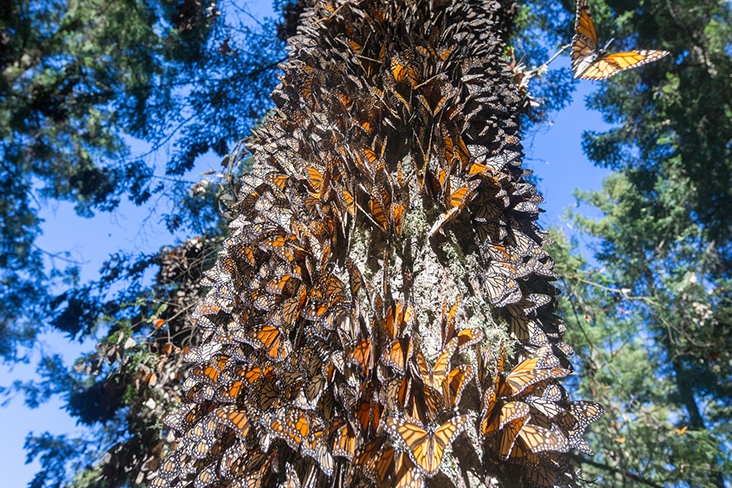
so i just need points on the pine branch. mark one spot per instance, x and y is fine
(622, 472)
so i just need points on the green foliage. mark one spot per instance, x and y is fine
(79, 78)
(652, 326)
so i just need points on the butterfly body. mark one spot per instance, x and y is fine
(590, 62)
(426, 444)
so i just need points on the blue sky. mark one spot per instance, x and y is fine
(553, 151)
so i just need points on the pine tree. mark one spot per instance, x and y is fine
(652, 326)
(383, 266)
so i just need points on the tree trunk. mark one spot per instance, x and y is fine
(383, 263)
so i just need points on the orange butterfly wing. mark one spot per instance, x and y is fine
(426, 448)
(607, 66)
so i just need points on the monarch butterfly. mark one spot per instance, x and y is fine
(290, 426)
(374, 460)
(544, 476)
(229, 393)
(522, 454)
(202, 353)
(525, 375)
(201, 437)
(510, 433)
(210, 372)
(545, 413)
(398, 69)
(314, 447)
(589, 62)
(426, 446)
(292, 480)
(308, 397)
(398, 353)
(360, 353)
(344, 444)
(499, 281)
(437, 375)
(396, 393)
(377, 212)
(425, 403)
(584, 413)
(269, 338)
(267, 395)
(234, 419)
(465, 337)
(170, 469)
(397, 214)
(368, 414)
(452, 388)
(368, 451)
(538, 439)
(279, 284)
(407, 476)
(231, 460)
(380, 466)
(496, 419)
(253, 373)
(397, 317)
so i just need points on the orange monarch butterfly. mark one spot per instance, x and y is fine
(235, 419)
(426, 446)
(425, 403)
(368, 414)
(379, 467)
(452, 388)
(589, 62)
(397, 318)
(525, 375)
(269, 338)
(344, 444)
(435, 377)
(538, 439)
(407, 476)
(397, 354)
(229, 393)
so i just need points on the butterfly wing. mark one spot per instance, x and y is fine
(452, 388)
(584, 42)
(591, 63)
(607, 66)
(510, 433)
(442, 365)
(583, 24)
(539, 439)
(438, 441)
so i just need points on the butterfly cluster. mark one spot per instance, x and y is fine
(330, 354)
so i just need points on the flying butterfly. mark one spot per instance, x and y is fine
(590, 62)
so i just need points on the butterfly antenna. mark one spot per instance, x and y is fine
(607, 44)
